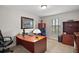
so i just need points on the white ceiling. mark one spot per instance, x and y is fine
(51, 9)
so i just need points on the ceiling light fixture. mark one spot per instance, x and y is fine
(43, 6)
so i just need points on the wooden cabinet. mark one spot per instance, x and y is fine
(77, 40)
(42, 27)
(68, 39)
(77, 27)
(71, 27)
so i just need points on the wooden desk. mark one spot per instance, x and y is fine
(32, 43)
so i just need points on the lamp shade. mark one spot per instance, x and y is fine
(36, 31)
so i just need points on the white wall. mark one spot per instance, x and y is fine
(10, 21)
(73, 15)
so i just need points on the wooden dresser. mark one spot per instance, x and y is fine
(34, 44)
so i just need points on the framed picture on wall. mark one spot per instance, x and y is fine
(27, 23)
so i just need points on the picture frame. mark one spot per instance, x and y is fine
(27, 23)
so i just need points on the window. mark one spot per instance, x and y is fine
(55, 26)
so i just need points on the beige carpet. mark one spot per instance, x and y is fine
(52, 47)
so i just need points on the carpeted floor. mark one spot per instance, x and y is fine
(52, 47)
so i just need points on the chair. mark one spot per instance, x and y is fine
(5, 43)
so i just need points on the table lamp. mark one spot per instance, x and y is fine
(36, 32)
